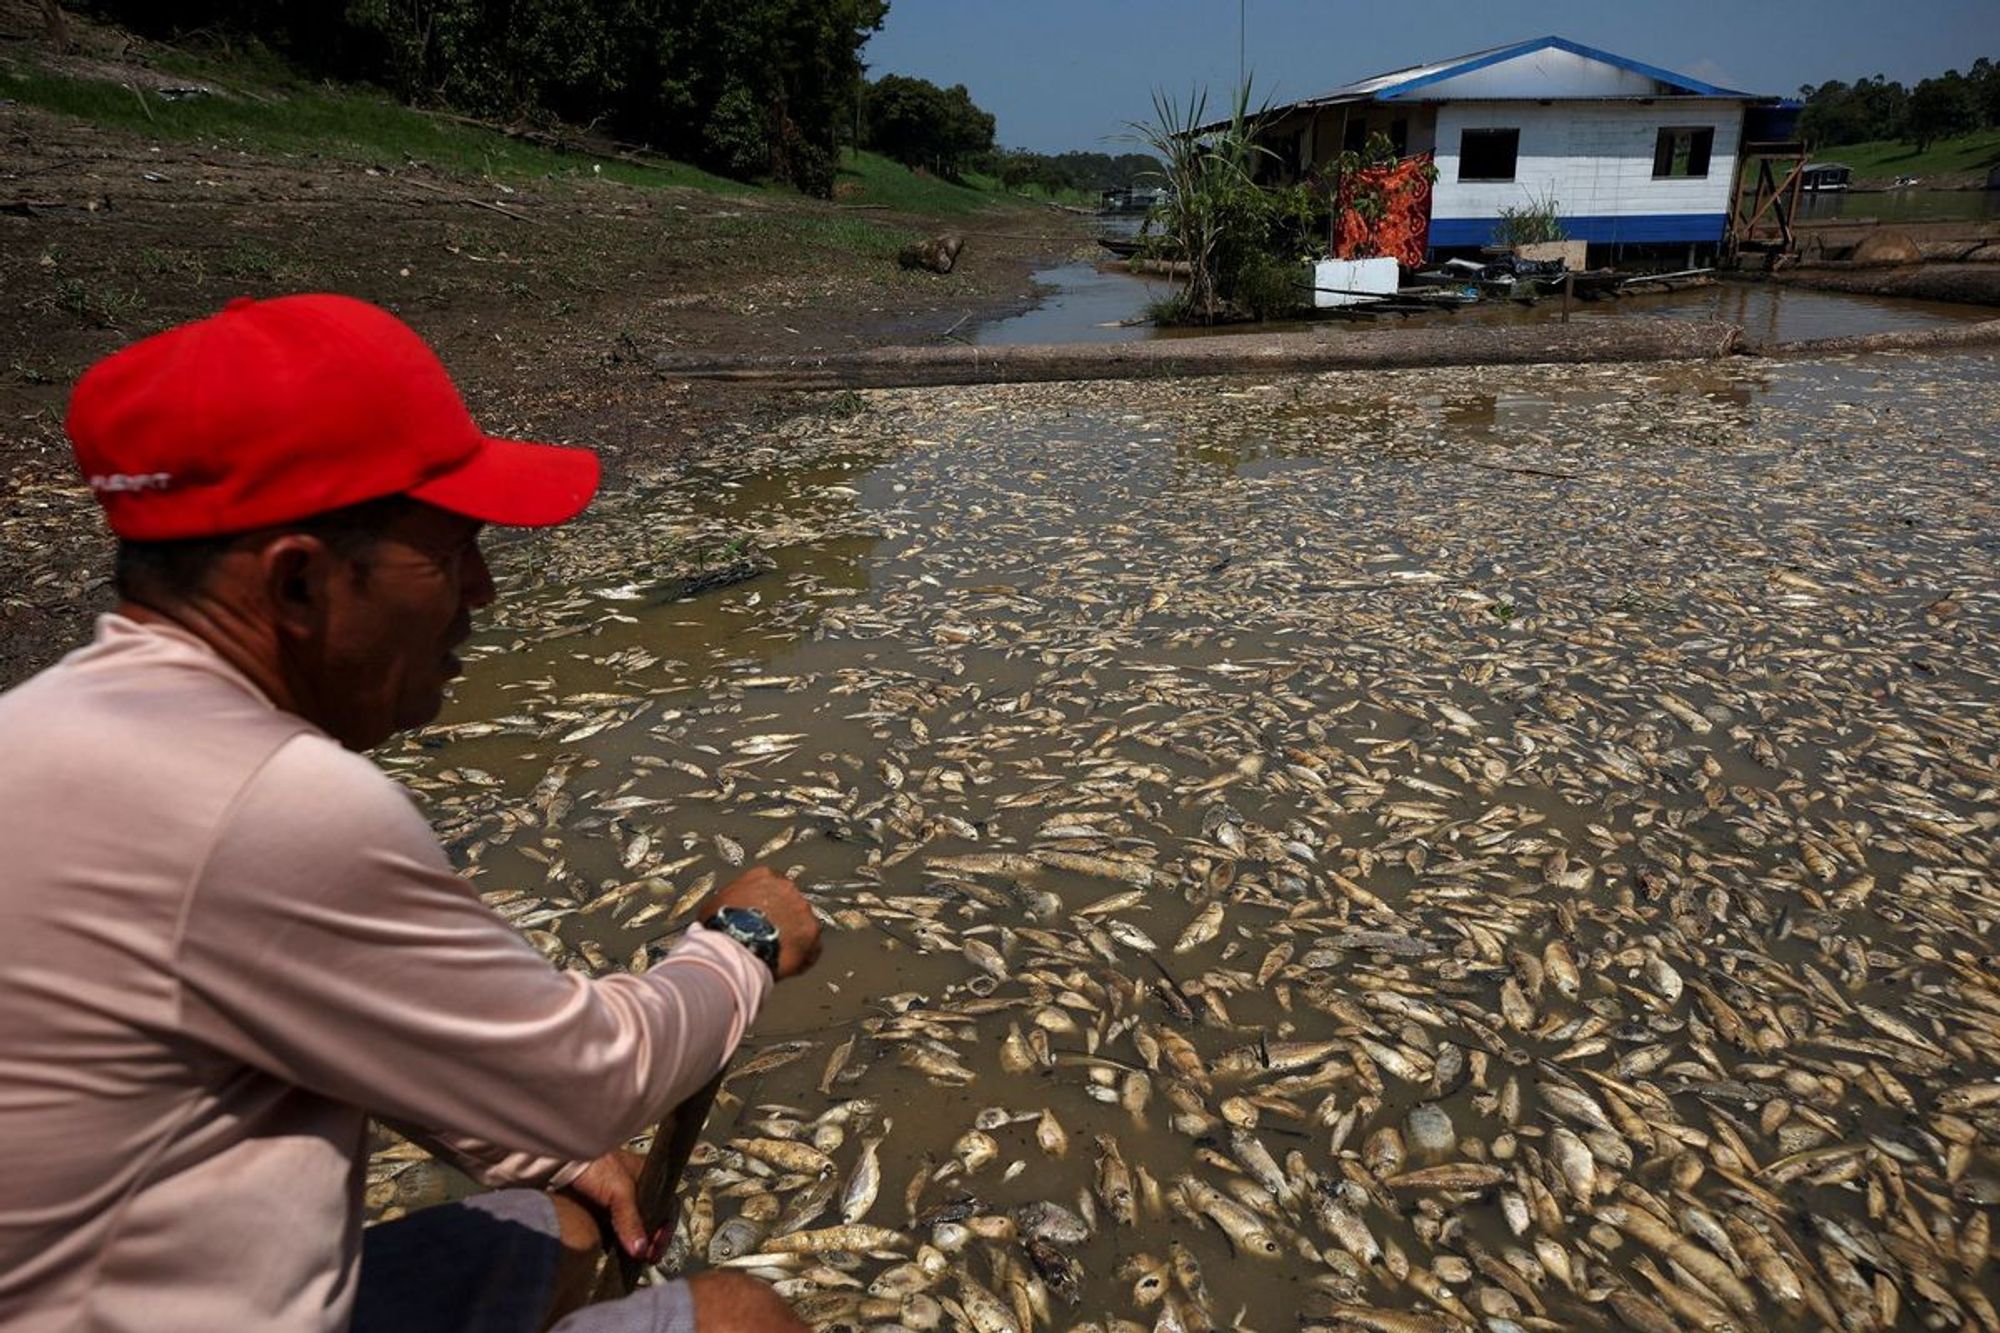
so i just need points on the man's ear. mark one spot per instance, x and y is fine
(298, 571)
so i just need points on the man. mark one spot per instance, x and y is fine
(229, 939)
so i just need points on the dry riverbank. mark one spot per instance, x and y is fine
(547, 299)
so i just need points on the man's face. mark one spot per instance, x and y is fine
(404, 603)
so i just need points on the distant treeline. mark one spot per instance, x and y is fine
(747, 88)
(942, 131)
(1093, 172)
(1877, 108)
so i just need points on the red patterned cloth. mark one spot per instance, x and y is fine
(1403, 230)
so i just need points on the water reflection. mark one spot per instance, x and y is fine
(1910, 205)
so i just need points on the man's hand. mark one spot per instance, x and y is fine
(609, 1187)
(780, 900)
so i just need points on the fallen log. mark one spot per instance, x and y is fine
(1965, 284)
(1983, 333)
(1232, 354)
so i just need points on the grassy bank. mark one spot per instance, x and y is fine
(260, 107)
(350, 124)
(869, 179)
(1884, 160)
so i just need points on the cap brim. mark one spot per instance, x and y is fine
(516, 484)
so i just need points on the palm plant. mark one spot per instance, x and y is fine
(1213, 213)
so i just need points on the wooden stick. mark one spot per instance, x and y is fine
(1522, 471)
(465, 199)
(659, 1180)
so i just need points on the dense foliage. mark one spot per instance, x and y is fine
(1092, 172)
(924, 126)
(750, 88)
(1877, 108)
(1242, 242)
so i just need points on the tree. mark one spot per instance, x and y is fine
(749, 88)
(924, 126)
(1940, 108)
(1984, 83)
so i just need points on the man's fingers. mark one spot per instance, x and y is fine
(629, 1227)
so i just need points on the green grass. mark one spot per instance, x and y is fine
(834, 233)
(1887, 159)
(868, 178)
(270, 109)
(1071, 195)
(353, 125)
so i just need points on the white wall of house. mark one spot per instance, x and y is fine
(1594, 158)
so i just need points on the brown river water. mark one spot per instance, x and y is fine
(1584, 778)
(1086, 303)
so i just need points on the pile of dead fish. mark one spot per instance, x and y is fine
(1506, 851)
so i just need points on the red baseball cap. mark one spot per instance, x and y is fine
(277, 410)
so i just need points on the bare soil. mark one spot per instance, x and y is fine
(548, 300)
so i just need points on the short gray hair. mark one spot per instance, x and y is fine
(176, 570)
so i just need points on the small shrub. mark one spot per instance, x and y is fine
(1177, 307)
(1531, 224)
(248, 259)
(98, 304)
(1266, 288)
(156, 262)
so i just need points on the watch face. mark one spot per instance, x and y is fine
(751, 929)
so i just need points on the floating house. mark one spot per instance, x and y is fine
(1627, 153)
(1826, 176)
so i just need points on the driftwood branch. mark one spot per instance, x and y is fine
(466, 199)
(55, 26)
(1524, 471)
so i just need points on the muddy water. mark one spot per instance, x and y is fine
(1899, 205)
(1084, 304)
(1432, 680)
(1088, 304)
(1766, 313)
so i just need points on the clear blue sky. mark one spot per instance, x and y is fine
(1062, 74)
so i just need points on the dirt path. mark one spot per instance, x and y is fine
(550, 306)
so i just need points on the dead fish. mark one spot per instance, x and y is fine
(857, 1237)
(1246, 1231)
(864, 1182)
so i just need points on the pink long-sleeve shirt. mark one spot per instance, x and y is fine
(225, 942)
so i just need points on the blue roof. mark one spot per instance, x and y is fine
(1402, 82)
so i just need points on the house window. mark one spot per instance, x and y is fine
(1488, 155)
(1683, 152)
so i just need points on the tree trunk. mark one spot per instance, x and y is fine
(55, 26)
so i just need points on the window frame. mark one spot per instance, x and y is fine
(1514, 166)
(1702, 136)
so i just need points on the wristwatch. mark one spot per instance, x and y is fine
(751, 929)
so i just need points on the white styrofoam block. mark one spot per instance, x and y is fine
(1338, 282)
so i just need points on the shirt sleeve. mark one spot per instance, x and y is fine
(492, 1165)
(327, 942)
